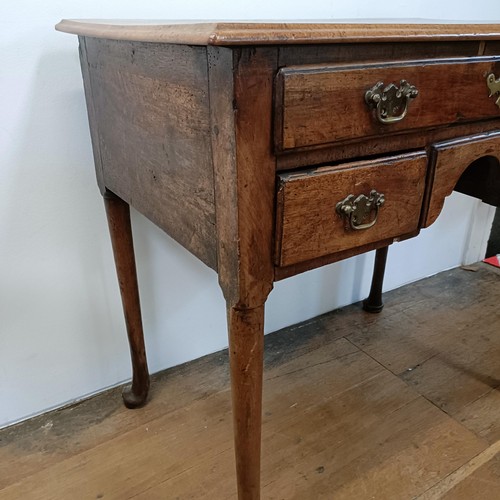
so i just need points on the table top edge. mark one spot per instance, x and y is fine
(230, 33)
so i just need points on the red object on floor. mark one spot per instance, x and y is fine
(494, 261)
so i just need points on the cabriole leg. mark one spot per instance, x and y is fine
(373, 303)
(118, 214)
(246, 349)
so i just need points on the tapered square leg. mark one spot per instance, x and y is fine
(118, 214)
(246, 350)
(373, 303)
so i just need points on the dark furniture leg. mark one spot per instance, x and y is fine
(246, 350)
(373, 303)
(118, 214)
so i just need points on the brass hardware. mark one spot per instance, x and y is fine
(494, 86)
(359, 209)
(391, 102)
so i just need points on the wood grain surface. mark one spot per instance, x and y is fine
(246, 357)
(450, 159)
(151, 114)
(283, 272)
(241, 105)
(308, 225)
(263, 33)
(375, 146)
(350, 53)
(322, 104)
(118, 215)
(241, 90)
(91, 114)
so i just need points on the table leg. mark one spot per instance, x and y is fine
(373, 303)
(118, 214)
(246, 350)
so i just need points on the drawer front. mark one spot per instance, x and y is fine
(468, 165)
(316, 215)
(323, 104)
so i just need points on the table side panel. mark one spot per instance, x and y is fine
(153, 123)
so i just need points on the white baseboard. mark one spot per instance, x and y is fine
(479, 233)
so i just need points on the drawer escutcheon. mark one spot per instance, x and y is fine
(358, 209)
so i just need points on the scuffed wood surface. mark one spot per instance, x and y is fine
(151, 114)
(241, 90)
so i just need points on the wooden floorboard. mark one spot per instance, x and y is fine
(400, 405)
(478, 478)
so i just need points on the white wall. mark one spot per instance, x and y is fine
(61, 329)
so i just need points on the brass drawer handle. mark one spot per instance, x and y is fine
(391, 102)
(494, 87)
(357, 210)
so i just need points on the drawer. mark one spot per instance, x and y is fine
(322, 104)
(309, 223)
(469, 165)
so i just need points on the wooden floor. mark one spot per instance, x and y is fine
(401, 405)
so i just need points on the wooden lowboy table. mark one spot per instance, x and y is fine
(270, 149)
